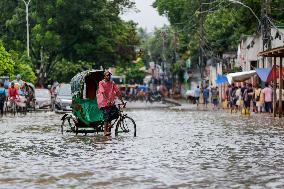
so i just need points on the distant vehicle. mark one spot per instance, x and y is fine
(63, 97)
(43, 98)
(155, 97)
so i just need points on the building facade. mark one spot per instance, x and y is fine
(250, 46)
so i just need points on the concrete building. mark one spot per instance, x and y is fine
(250, 46)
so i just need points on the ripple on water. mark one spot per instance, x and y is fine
(174, 149)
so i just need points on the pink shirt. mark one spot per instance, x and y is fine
(267, 94)
(109, 89)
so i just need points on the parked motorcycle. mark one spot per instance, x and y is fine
(155, 97)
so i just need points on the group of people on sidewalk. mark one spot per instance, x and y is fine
(242, 98)
(247, 97)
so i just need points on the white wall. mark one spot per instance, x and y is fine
(245, 56)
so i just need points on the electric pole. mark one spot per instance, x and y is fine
(266, 27)
(201, 42)
(27, 25)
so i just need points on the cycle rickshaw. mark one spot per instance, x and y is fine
(86, 117)
(24, 102)
(29, 91)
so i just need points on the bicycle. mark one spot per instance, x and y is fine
(123, 123)
(13, 106)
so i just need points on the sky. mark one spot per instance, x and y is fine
(148, 17)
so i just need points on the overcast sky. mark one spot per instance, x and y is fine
(148, 17)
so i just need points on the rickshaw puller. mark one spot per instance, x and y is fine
(107, 92)
(13, 93)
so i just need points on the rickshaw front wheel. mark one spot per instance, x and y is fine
(125, 126)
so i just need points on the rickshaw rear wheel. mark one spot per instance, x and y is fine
(125, 126)
(68, 125)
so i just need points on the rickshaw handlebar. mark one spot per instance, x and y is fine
(122, 104)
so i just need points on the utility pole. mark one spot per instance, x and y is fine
(266, 37)
(164, 36)
(27, 24)
(266, 27)
(201, 41)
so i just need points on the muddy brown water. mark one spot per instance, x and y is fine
(174, 149)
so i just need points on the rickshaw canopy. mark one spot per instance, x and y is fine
(77, 82)
(84, 102)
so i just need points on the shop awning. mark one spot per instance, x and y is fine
(263, 73)
(240, 76)
(221, 79)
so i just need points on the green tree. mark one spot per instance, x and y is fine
(64, 70)
(74, 30)
(133, 71)
(7, 63)
(224, 23)
(23, 66)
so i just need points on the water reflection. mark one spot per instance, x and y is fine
(174, 149)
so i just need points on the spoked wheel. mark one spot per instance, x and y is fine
(126, 126)
(6, 109)
(14, 110)
(22, 111)
(68, 124)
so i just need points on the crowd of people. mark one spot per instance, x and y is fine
(258, 99)
(202, 95)
(244, 98)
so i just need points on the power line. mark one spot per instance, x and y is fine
(273, 25)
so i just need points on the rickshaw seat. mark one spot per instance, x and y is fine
(91, 88)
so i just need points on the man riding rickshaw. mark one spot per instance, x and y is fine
(93, 107)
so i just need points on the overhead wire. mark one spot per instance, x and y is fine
(273, 25)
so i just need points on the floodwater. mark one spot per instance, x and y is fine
(174, 149)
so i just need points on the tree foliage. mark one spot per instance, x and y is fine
(224, 22)
(71, 30)
(133, 71)
(23, 66)
(12, 64)
(7, 63)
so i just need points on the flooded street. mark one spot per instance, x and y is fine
(174, 149)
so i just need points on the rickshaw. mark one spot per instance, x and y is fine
(23, 102)
(86, 117)
(29, 91)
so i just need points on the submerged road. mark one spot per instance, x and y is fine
(174, 149)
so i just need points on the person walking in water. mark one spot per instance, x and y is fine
(2, 98)
(248, 96)
(206, 95)
(268, 93)
(259, 99)
(214, 97)
(197, 95)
